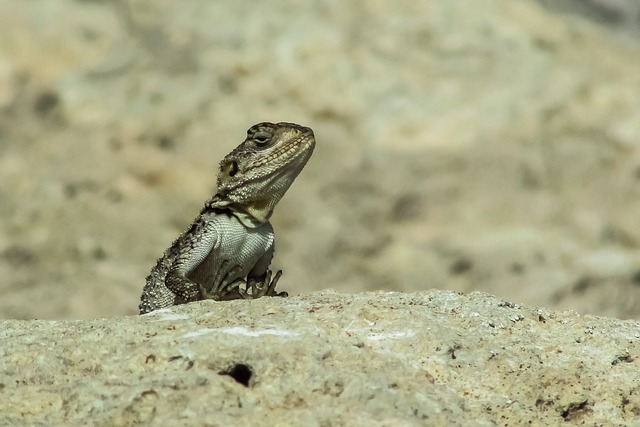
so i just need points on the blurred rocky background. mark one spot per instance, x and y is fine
(489, 145)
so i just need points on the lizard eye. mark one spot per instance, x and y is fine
(261, 140)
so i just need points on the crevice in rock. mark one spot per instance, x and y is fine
(240, 372)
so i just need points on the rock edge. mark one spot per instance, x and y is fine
(379, 358)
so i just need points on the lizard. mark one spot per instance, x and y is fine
(226, 252)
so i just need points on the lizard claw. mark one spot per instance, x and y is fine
(263, 286)
(228, 292)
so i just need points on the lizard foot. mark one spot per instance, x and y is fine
(263, 286)
(227, 290)
(228, 293)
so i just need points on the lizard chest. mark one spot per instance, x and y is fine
(233, 251)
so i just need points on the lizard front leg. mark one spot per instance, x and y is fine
(259, 281)
(194, 266)
(225, 288)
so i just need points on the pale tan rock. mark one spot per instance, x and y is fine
(431, 358)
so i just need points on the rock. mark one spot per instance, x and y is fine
(379, 358)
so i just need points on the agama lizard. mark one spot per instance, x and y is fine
(226, 252)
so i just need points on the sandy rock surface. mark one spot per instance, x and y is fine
(433, 358)
(485, 145)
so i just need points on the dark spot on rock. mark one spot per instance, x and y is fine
(165, 142)
(99, 253)
(73, 189)
(227, 84)
(544, 44)
(635, 278)
(529, 178)
(461, 265)
(542, 402)
(70, 190)
(18, 256)
(240, 372)
(612, 233)
(575, 410)
(46, 102)
(622, 358)
(189, 362)
(581, 285)
(406, 207)
(150, 358)
(517, 268)
(148, 393)
(452, 351)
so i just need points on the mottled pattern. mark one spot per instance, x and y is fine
(226, 252)
(202, 265)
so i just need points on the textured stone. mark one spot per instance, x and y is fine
(430, 358)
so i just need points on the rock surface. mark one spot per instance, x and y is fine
(434, 358)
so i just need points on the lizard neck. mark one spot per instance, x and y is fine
(251, 215)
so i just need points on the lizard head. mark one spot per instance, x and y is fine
(256, 174)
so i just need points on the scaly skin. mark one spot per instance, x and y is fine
(226, 252)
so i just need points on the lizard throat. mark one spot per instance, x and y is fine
(253, 214)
